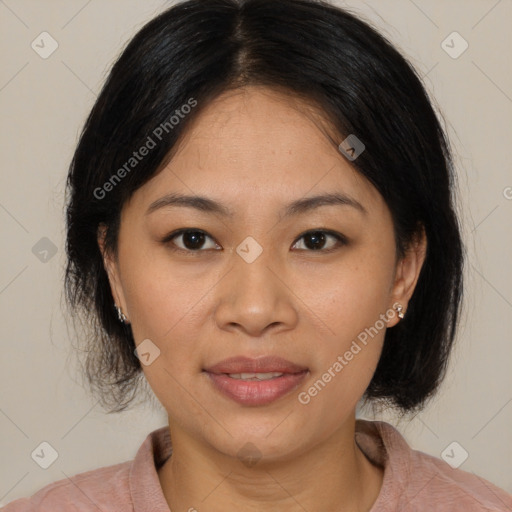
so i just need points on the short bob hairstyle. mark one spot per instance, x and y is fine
(360, 84)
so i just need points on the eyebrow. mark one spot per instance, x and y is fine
(300, 206)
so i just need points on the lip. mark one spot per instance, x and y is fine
(267, 364)
(254, 393)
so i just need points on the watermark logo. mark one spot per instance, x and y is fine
(249, 455)
(454, 455)
(44, 45)
(351, 147)
(44, 455)
(249, 250)
(454, 45)
(147, 352)
(44, 250)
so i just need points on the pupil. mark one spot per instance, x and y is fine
(193, 239)
(317, 238)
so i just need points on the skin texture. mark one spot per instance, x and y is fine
(256, 150)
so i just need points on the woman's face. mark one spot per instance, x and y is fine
(248, 281)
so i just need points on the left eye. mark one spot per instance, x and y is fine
(316, 240)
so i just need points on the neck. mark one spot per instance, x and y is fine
(334, 475)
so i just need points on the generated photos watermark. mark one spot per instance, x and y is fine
(150, 144)
(304, 397)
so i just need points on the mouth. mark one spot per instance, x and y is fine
(250, 377)
(255, 382)
(241, 365)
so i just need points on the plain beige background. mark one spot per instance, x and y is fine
(44, 103)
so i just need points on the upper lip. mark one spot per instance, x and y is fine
(267, 364)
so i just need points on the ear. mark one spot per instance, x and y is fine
(407, 273)
(112, 268)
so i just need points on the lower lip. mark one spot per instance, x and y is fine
(256, 392)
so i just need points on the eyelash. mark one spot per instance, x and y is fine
(340, 239)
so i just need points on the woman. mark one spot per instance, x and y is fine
(261, 223)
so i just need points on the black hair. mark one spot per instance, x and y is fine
(193, 52)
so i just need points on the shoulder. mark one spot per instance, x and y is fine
(124, 486)
(89, 491)
(414, 480)
(461, 490)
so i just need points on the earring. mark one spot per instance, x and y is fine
(120, 314)
(399, 310)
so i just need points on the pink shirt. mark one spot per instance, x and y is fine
(413, 481)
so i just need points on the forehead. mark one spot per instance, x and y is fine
(260, 128)
(258, 145)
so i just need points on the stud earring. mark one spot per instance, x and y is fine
(120, 314)
(399, 310)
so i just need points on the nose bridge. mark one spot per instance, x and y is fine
(253, 295)
(253, 271)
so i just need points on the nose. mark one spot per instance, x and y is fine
(254, 298)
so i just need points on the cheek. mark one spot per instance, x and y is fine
(353, 311)
(161, 296)
(164, 304)
(353, 294)
(169, 304)
(353, 303)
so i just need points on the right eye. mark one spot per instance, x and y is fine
(189, 240)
